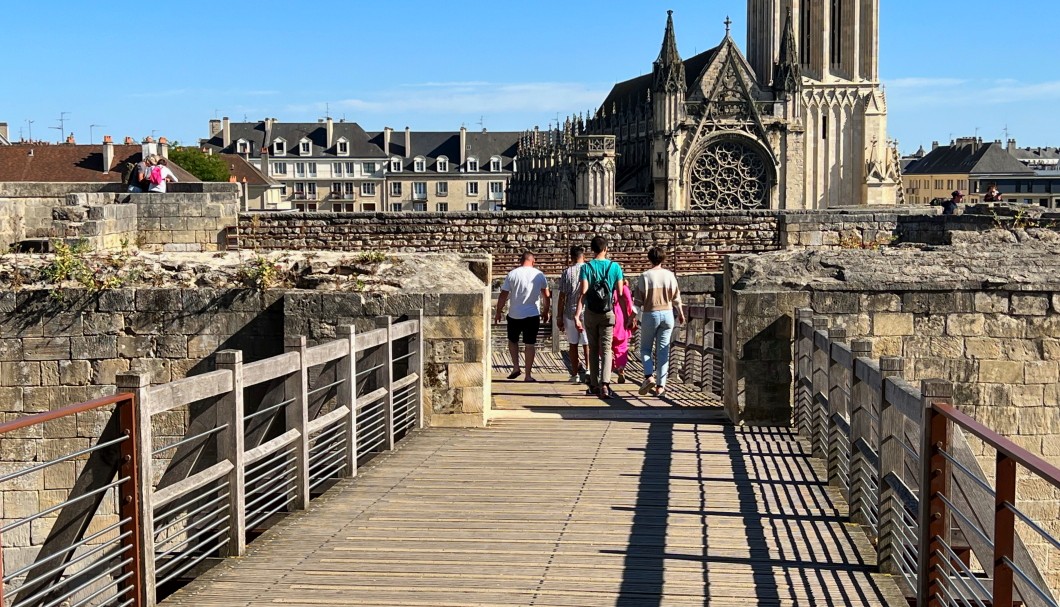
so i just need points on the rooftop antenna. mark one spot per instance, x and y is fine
(482, 122)
(327, 110)
(153, 131)
(215, 113)
(91, 136)
(29, 124)
(1006, 133)
(62, 125)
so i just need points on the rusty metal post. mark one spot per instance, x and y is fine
(1004, 529)
(934, 487)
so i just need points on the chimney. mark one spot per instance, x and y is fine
(934, 145)
(163, 147)
(1011, 147)
(387, 131)
(215, 128)
(226, 133)
(70, 139)
(463, 147)
(148, 147)
(3, 131)
(408, 143)
(108, 153)
(331, 132)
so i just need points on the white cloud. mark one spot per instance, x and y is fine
(437, 98)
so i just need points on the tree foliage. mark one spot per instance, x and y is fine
(206, 167)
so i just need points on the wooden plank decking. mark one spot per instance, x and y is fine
(567, 513)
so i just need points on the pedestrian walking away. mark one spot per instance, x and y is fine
(599, 279)
(620, 342)
(658, 296)
(568, 289)
(525, 289)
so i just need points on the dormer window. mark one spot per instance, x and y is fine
(419, 165)
(342, 147)
(495, 164)
(242, 146)
(279, 147)
(305, 147)
(443, 164)
(472, 164)
(395, 165)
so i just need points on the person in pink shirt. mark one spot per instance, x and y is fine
(620, 341)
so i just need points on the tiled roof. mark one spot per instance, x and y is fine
(260, 135)
(242, 170)
(968, 158)
(636, 89)
(63, 163)
(435, 144)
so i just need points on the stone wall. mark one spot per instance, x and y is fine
(192, 217)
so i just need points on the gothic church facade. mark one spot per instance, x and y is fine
(800, 122)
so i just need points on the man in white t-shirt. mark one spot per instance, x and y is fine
(527, 290)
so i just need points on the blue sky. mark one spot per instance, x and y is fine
(950, 66)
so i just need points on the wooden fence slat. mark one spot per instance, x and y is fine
(165, 397)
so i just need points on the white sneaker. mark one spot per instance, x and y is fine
(575, 379)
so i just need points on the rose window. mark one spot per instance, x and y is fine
(728, 175)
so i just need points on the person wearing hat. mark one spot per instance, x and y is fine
(950, 206)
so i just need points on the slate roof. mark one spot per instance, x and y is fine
(434, 144)
(636, 90)
(62, 163)
(968, 158)
(1029, 154)
(258, 135)
(242, 170)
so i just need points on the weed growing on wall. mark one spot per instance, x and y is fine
(372, 257)
(75, 263)
(261, 273)
(858, 242)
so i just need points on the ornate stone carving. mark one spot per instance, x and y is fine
(729, 175)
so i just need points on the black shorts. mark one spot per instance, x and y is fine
(526, 327)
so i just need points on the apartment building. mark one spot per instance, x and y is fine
(959, 166)
(448, 170)
(320, 166)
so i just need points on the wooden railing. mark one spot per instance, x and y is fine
(696, 349)
(885, 441)
(252, 441)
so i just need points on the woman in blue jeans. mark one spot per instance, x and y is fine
(659, 298)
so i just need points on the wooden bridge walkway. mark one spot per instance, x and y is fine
(578, 504)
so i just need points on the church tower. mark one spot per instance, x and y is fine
(847, 153)
(668, 108)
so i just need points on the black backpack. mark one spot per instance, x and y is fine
(598, 297)
(128, 170)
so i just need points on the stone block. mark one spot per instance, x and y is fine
(60, 476)
(454, 327)
(157, 367)
(159, 300)
(445, 351)
(1020, 349)
(887, 346)
(46, 348)
(948, 369)
(982, 347)
(75, 372)
(929, 325)
(94, 348)
(21, 504)
(102, 323)
(171, 346)
(136, 346)
(991, 303)
(62, 325)
(881, 302)
(825, 302)
(891, 324)
(1026, 396)
(43, 398)
(103, 371)
(20, 373)
(472, 399)
(1041, 372)
(1029, 304)
(1000, 372)
(1050, 349)
(965, 324)
(117, 300)
(465, 375)
(49, 373)
(201, 346)
(999, 325)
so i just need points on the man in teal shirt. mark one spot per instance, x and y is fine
(600, 278)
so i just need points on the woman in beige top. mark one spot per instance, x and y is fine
(659, 299)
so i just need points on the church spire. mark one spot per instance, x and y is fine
(669, 70)
(787, 77)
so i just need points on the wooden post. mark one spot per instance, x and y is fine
(934, 485)
(296, 389)
(137, 421)
(818, 440)
(804, 373)
(892, 461)
(860, 430)
(347, 393)
(1004, 529)
(706, 356)
(230, 446)
(836, 406)
(386, 379)
(416, 364)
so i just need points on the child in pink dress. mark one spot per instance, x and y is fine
(620, 340)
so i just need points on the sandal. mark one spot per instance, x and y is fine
(607, 393)
(660, 391)
(515, 374)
